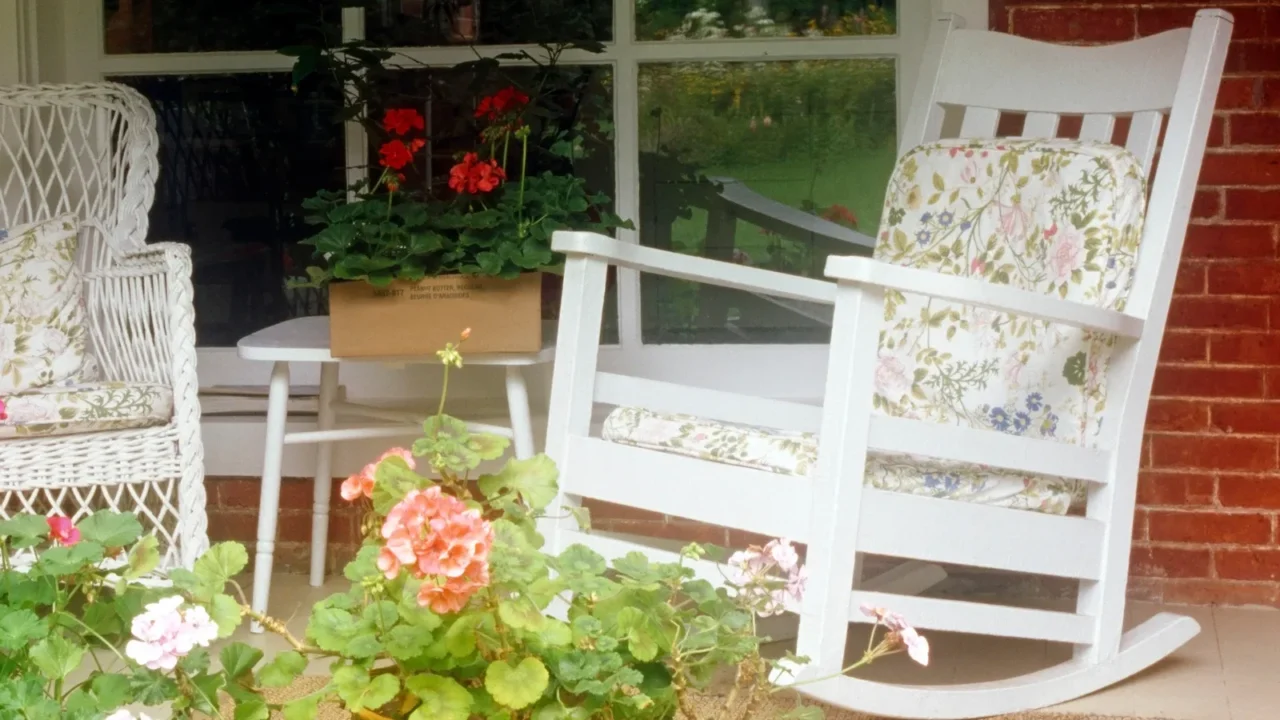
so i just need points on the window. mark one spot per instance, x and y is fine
(756, 131)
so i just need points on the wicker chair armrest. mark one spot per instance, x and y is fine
(141, 318)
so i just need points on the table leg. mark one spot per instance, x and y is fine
(518, 406)
(324, 474)
(269, 501)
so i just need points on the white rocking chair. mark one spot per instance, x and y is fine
(851, 504)
(91, 150)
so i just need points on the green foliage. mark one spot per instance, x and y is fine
(395, 228)
(635, 634)
(66, 614)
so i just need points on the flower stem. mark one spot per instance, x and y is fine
(276, 627)
(524, 166)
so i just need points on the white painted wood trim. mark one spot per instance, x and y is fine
(926, 528)
(1004, 298)
(1141, 648)
(977, 618)
(696, 269)
(984, 447)
(686, 487)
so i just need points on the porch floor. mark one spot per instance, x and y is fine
(1228, 672)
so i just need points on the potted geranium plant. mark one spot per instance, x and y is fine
(449, 614)
(412, 246)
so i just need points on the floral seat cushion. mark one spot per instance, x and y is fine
(794, 453)
(1059, 217)
(42, 333)
(85, 408)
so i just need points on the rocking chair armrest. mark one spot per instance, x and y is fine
(688, 267)
(865, 271)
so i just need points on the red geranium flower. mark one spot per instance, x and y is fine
(393, 182)
(402, 121)
(475, 176)
(505, 101)
(62, 531)
(395, 154)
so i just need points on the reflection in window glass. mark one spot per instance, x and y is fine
(709, 19)
(168, 26)
(238, 155)
(488, 22)
(447, 98)
(775, 165)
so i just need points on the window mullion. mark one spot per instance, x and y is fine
(626, 119)
(355, 138)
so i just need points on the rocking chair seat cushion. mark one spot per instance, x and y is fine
(796, 453)
(85, 408)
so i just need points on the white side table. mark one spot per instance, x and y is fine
(307, 340)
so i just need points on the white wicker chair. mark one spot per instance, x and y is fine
(91, 149)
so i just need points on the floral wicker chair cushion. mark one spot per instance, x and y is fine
(87, 408)
(1059, 217)
(42, 335)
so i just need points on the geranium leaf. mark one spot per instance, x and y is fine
(143, 558)
(578, 559)
(110, 529)
(305, 708)
(359, 691)
(520, 613)
(225, 611)
(25, 530)
(238, 659)
(55, 657)
(533, 479)
(282, 670)
(516, 686)
(442, 698)
(219, 564)
(18, 628)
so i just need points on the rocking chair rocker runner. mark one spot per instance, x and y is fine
(862, 497)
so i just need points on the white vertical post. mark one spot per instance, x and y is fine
(574, 374)
(626, 124)
(269, 500)
(1133, 367)
(323, 486)
(518, 408)
(838, 486)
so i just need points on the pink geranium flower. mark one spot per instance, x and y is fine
(768, 578)
(164, 634)
(63, 531)
(441, 541)
(361, 484)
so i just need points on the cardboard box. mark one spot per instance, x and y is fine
(417, 319)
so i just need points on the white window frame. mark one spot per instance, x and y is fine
(72, 50)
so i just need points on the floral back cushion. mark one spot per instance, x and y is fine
(1060, 217)
(42, 334)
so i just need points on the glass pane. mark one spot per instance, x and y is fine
(447, 98)
(488, 22)
(238, 154)
(167, 26)
(705, 20)
(774, 165)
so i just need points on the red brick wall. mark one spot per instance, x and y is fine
(1210, 492)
